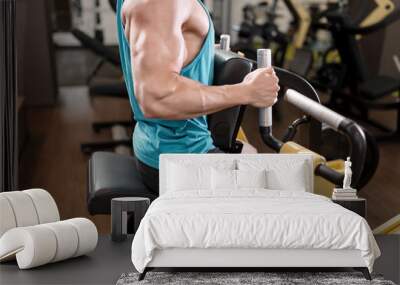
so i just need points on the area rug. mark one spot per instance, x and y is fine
(244, 278)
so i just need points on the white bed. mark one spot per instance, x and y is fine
(203, 220)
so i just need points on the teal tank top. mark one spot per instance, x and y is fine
(153, 137)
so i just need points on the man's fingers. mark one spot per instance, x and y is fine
(269, 70)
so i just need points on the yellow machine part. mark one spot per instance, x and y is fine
(321, 185)
(242, 136)
(382, 10)
(247, 147)
(333, 57)
(305, 22)
(392, 226)
(301, 33)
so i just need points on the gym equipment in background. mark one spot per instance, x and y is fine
(353, 90)
(105, 53)
(253, 34)
(259, 29)
(392, 226)
(31, 230)
(121, 139)
(383, 9)
(300, 58)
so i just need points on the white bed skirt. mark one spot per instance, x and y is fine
(179, 257)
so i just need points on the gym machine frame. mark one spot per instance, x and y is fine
(309, 103)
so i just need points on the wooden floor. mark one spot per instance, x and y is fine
(52, 158)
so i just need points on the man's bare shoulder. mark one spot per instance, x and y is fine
(154, 9)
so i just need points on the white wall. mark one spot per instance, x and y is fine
(87, 22)
(108, 23)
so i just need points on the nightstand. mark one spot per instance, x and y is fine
(357, 205)
(123, 210)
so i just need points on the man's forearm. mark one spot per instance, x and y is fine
(186, 99)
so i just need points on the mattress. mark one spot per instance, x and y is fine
(250, 219)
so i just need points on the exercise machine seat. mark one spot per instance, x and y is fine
(379, 86)
(114, 175)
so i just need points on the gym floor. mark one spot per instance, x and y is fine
(51, 158)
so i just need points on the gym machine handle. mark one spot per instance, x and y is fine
(265, 114)
(316, 110)
(350, 129)
(329, 174)
(225, 42)
(292, 129)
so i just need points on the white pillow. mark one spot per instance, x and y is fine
(251, 178)
(229, 179)
(283, 173)
(223, 179)
(183, 177)
(294, 180)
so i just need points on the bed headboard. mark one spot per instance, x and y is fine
(283, 162)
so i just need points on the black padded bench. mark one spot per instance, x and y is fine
(113, 175)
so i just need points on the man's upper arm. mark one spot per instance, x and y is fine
(157, 46)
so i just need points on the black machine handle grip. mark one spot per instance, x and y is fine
(329, 174)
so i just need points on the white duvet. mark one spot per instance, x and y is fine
(252, 218)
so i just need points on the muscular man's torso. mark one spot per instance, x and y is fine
(172, 41)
